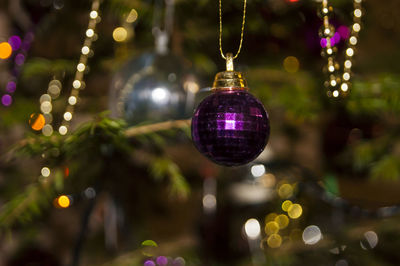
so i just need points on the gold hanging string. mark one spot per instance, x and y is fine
(220, 29)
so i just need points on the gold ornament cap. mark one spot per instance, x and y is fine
(229, 79)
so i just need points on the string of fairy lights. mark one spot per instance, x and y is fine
(43, 121)
(338, 82)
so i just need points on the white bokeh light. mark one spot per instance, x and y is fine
(252, 228)
(160, 95)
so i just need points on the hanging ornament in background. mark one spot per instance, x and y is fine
(230, 127)
(338, 83)
(155, 86)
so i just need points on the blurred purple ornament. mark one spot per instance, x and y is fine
(15, 42)
(336, 37)
(162, 261)
(230, 127)
(344, 32)
(323, 42)
(6, 100)
(11, 86)
(149, 263)
(19, 59)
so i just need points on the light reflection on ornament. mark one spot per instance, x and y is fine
(252, 228)
(160, 95)
(312, 235)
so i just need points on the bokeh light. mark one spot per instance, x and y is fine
(120, 34)
(37, 121)
(5, 50)
(209, 201)
(63, 201)
(271, 227)
(11, 86)
(285, 191)
(282, 220)
(15, 42)
(268, 180)
(132, 16)
(270, 217)
(258, 170)
(286, 205)
(6, 100)
(274, 241)
(19, 59)
(344, 32)
(295, 211)
(47, 130)
(312, 235)
(291, 64)
(370, 240)
(45, 171)
(149, 263)
(252, 228)
(162, 261)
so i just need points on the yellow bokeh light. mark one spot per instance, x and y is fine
(274, 241)
(5, 50)
(271, 228)
(282, 221)
(37, 121)
(291, 64)
(295, 211)
(63, 201)
(270, 217)
(286, 205)
(132, 17)
(120, 34)
(285, 191)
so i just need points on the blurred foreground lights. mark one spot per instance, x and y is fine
(356, 27)
(5, 50)
(67, 116)
(285, 191)
(191, 86)
(90, 193)
(76, 84)
(252, 228)
(370, 240)
(335, 93)
(63, 201)
(6, 100)
(89, 33)
(311, 235)
(47, 130)
(347, 64)
(132, 16)
(62, 130)
(346, 76)
(46, 107)
(357, 13)
(350, 51)
(268, 180)
(282, 221)
(80, 67)
(160, 95)
(258, 170)
(344, 87)
(37, 121)
(271, 227)
(295, 211)
(120, 34)
(45, 98)
(291, 64)
(85, 50)
(72, 100)
(45, 172)
(93, 14)
(209, 202)
(353, 40)
(286, 205)
(274, 241)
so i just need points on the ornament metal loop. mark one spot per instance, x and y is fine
(229, 62)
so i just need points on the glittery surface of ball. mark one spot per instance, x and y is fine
(230, 127)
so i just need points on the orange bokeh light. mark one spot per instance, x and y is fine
(37, 121)
(5, 50)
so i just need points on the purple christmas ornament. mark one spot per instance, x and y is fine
(230, 127)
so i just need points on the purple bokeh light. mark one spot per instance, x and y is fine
(6, 100)
(230, 127)
(149, 263)
(15, 42)
(19, 59)
(162, 261)
(344, 32)
(11, 86)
